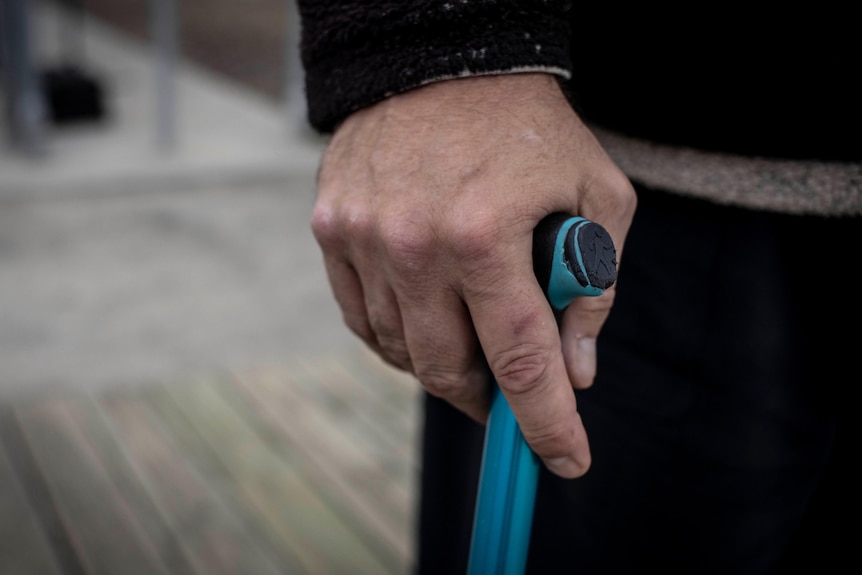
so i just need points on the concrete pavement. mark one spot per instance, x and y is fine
(121, 262)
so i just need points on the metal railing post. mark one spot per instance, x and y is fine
(25, 107)
(294, 79)
(165, 32)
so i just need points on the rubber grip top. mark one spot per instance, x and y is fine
(572, 257)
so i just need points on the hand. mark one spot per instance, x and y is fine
(425, 212)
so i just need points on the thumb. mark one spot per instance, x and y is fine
(581, 324)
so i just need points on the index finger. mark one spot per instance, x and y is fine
(521, 342)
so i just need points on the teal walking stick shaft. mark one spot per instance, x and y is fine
(572, 257)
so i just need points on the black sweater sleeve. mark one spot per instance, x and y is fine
(357, 52)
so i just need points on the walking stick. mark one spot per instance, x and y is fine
(572, 257)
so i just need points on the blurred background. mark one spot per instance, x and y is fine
(178, 393)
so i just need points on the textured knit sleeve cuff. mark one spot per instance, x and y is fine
(356, 53)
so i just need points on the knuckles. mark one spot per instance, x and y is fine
(334, 224)
(358, 324)
(440, 385)
(553, 440)
(394, 349)
(521, 370)
(408, 235)
(448, 385)
(474, 237)
(324, 225)
(409, 244)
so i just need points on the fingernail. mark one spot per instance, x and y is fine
(586, 345)
(581, 362)
(563, 466)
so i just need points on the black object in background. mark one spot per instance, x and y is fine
(72, 94)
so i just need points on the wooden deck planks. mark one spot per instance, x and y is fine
(24, 548)
(214, 541)
(204, 457)
(309, 469)
(384, 402)
(275, 487)
(112, 526)
(336, 455)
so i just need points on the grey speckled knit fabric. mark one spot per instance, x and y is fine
(789, 186)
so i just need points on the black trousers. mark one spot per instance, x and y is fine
(719, 419)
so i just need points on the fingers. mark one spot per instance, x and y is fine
(425, 208)
(580, 328)
(521, 342)
(369, 308)
(384, 318)
(440, 348)
(445, 351)
(348, 293)
(611, 201)
(368, 304)
(505, 310)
